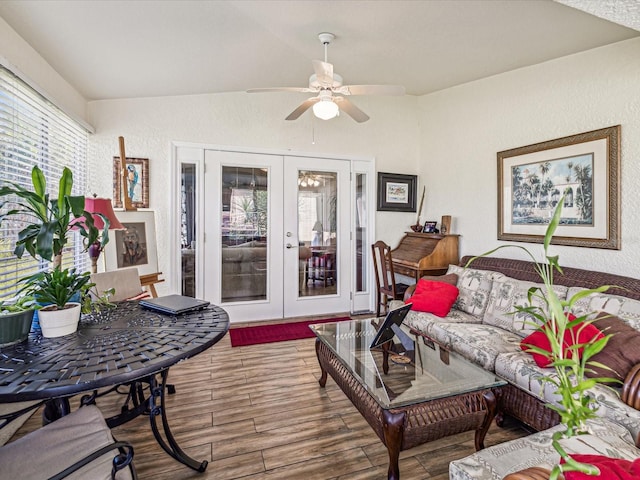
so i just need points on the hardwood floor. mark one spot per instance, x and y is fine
(258, 412)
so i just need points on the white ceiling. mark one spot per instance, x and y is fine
(124, 49)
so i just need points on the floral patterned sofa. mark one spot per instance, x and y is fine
(482, 327)
(494, 463)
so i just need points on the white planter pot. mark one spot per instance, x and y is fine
(56, 323)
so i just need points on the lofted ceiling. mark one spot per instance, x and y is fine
(125, 49)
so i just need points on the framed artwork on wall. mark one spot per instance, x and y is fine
(396, 192)
(137, 182)
(583, 170)
(136, 245)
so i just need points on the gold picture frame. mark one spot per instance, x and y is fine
(584, 169)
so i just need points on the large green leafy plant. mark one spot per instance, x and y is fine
(49, 220)
(574, 406)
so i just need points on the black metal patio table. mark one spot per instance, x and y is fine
(126, 345)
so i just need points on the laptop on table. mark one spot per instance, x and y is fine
(174, 304)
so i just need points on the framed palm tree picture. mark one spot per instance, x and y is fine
(582, 171)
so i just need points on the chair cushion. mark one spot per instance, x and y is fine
(125, 282)
(54, 447)
(433, 297)
(481, 344)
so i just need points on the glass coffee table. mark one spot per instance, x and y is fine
(418, 396)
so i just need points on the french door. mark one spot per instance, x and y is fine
(277, 235)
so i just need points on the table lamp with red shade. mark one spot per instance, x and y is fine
(97, 207)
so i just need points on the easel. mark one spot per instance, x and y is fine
(151, 279)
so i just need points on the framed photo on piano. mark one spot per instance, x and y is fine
(396, 192)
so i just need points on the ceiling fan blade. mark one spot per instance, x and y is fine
(281, 89)
(303, 107)
(370, 90)
(324, 72)
(351, 110)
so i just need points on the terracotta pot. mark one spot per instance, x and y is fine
(56, 323)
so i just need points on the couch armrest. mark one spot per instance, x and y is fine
(408, 292)
(631, 388)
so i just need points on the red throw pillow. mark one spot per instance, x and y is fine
(579, 333)
(433, 297)
(610, 468)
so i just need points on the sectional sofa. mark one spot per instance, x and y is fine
(482, 327)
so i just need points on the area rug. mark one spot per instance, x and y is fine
(241, 337)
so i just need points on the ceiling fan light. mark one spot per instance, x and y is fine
(325, 109)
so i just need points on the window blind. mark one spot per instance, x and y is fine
(33, 131)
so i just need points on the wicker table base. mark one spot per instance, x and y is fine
(406, 427)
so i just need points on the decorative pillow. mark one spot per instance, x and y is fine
(474, 286)
(450, 278)
(508, 293)
(621, 353)
(610, 468)
(627, 309)
(433, 297)
(578, 334)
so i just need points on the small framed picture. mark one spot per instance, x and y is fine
(429, 227)
(396, 192)
(137, 187)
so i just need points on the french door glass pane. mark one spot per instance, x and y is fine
(317, 232)
(361, 232)
(188, 228)
(244, 233)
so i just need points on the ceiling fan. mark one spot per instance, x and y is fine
(330, 92)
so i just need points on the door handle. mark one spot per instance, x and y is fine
(288, 245)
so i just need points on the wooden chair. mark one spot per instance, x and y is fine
(385, 277)
(79, 445)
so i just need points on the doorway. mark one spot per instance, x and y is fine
(276, 236)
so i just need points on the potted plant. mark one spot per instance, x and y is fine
(48, 222)
(56, 289)
(569, 359)
(15, 320)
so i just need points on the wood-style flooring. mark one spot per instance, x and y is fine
(258, 413)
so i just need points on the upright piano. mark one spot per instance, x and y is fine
(420, 254)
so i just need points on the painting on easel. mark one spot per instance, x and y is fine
(137, 187)
(136, 245)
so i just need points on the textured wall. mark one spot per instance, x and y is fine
(254, 121)
(464, 127)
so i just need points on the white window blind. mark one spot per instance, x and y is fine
(33, 131)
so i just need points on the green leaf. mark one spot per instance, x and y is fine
(44, 240)
(39, 181)
(553, 224)
(77, 205)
